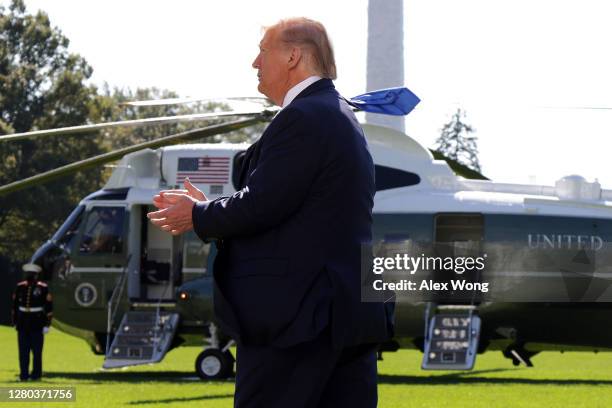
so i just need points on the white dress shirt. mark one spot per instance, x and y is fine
(295, 91)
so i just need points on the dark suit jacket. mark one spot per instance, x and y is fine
(288, 264)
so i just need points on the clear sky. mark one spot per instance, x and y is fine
(514, 66)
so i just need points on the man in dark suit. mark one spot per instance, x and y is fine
(287, 273)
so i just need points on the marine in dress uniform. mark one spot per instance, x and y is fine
(32, 314)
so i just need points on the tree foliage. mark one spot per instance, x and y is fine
(456, 142)
(42, 85)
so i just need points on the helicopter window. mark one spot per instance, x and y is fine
(216, 189)
(104, 231)
(109, 194)
(195, 253)
(388, 177)
(66, 233)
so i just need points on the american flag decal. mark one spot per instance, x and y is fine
(204, 170)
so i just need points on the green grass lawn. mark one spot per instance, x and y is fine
(557, 380)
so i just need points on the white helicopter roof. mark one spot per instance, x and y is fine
(210, 167)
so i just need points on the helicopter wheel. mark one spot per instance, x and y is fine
(214, 364)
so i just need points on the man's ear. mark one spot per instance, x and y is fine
(294, 57)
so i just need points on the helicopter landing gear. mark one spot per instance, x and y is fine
(519, 355)
(214, 362)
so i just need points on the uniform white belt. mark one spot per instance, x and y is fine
(31, 309)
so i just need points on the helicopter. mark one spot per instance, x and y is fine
(134, 292)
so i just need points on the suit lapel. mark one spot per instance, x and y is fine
(246, 167)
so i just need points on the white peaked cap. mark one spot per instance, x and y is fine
(30, 267)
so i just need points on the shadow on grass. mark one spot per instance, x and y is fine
(464, 377)
(474, 377)
(130, 376)
(190, 399)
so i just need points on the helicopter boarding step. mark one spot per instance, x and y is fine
(142, 338)
(451, 338)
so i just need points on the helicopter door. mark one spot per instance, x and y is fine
(452, 324)
(99, 255)
(161, 264)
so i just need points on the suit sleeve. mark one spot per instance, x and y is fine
(286, 168)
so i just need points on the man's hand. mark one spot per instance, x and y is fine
(190, 190)
(175, 208)
(45, 330)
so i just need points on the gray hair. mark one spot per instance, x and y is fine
(311, 36)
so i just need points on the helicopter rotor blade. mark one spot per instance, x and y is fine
(179, 101)
(128, 123)
(579, 107)
(117, 154)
